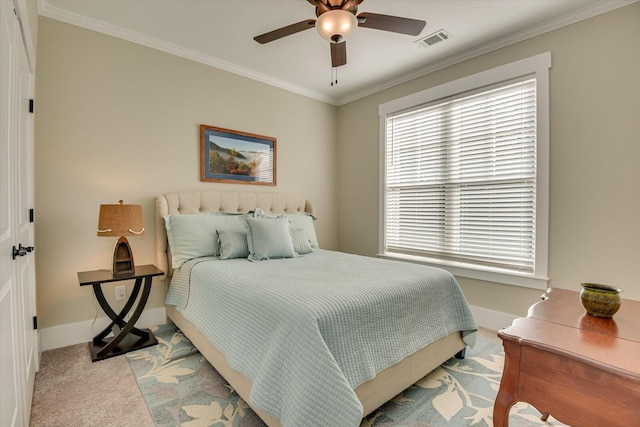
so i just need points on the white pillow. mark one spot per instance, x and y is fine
(194, 236)
(269, 239)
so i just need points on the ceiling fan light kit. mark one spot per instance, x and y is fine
(336, 25)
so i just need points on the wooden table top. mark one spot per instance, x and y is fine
(104, 276)
(563, 307)
(559, 324)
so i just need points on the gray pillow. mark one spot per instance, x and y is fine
(305, 221)
(233, 244)
(301, 242)
(269, 239)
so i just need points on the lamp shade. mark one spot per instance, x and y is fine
(336, 25)
(120, 220)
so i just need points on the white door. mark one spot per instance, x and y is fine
(18, 350)
(11, 366)
(24, 203)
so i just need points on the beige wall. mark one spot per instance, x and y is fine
(594, 158)
(119, 121)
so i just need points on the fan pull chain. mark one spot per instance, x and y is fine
(334, 70)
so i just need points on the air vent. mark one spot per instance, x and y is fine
(434, 38)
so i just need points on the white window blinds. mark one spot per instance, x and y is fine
(460, 182)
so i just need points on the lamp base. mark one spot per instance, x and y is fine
(123, 259)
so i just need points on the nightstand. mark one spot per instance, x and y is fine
(126, 337)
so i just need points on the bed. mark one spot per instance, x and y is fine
(284, 337)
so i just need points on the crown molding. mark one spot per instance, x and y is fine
(513, 38)
(589, 11)
(47, 10)
(26, 26)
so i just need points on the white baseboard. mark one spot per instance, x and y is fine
(490, 319)
(76, 333)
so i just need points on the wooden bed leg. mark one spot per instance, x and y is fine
(461, 353)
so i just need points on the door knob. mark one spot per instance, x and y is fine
(21, 250)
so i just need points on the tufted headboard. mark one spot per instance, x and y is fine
(194, 202)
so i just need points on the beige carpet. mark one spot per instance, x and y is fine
(72, 391)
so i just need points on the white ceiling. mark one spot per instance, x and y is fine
(220, 33)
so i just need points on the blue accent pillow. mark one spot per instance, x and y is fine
(233, 244)
(302, 220)
(269, 238)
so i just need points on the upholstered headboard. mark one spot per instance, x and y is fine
(194, 202)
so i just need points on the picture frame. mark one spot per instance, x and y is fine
(236, 157)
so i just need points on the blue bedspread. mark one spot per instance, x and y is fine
(306, 331)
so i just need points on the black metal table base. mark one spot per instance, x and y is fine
(126, 337)
(127, 344)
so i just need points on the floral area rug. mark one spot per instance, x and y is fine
(182, 389)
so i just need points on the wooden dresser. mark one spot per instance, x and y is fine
(583, 370)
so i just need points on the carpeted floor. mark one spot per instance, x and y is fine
(71, 391)
(177, 387)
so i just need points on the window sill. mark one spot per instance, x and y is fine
(473, 272)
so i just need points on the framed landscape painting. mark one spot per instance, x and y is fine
(236, 157)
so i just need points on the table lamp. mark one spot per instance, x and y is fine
(119, 221)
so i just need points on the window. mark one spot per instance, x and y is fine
(465, 177)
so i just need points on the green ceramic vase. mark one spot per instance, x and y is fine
(600, 300)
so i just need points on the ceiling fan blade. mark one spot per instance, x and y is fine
(338, 54)
(285, 31)
(395, 24)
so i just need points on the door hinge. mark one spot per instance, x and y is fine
(31, 215)
(31, 105)
(35, 323)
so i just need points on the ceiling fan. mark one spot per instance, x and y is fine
(337, 19)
